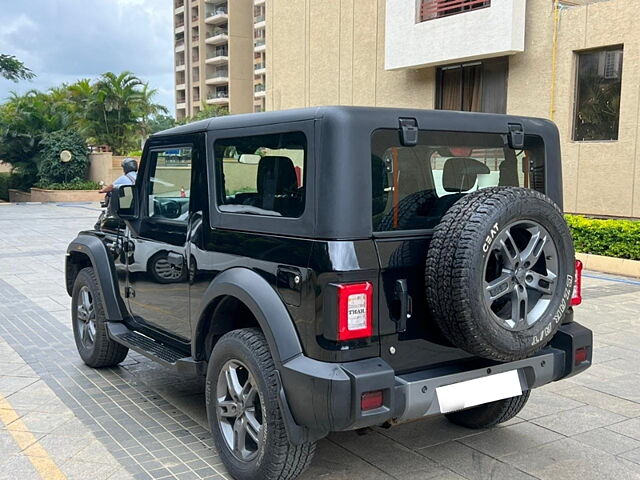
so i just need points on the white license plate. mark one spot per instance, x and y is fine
(478, 391)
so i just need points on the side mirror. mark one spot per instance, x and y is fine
(123, 202)
(249, 159)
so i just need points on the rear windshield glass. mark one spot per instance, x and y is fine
(413, 187)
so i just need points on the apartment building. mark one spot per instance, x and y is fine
(572, 61)
(219, 55)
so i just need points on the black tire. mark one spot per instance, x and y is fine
(456, 264)
(489, 414)
(275, 457)
(408, 208)
(98, 351)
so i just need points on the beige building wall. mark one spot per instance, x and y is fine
(331, 52)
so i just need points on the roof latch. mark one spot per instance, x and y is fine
(516, 136)
(409, 132)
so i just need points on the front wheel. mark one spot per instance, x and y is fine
(244, 413)
(89, 324)
(489, 414)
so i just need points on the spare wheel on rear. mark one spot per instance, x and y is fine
(500, 272)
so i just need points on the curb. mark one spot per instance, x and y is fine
(613, 266)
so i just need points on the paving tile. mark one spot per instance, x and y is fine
(427, 432)
(332, 461)
(568, 459)
(508, 440)
(603, 400)
(18, 467)
(582, 419)
(387, 455)
(471, 463)
(608, 441)
(630, 428)
(542, 403)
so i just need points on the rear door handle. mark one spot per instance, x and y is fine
(175, 259)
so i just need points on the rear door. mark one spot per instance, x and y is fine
(413, 187)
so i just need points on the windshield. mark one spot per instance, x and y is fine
(413, 187)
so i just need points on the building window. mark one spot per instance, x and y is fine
(432, 9)
(599, 83)
(474, 87)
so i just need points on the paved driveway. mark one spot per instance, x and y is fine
(59, 419)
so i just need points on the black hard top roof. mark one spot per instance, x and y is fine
(427, 119)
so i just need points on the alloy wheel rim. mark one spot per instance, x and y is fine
(239, 410)
(520, 275)
(86, 315)
(167, 271)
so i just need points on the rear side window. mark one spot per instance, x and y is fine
(413, 187)
(262, 174)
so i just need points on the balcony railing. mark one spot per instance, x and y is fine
(218, 95)
(220, 74)
(217, 11)
(259, 88)
(259, 66)
(259, 42)
(258, 19)
(179, 3)
(432, 9)
(180, 24)
(221, 52)
(195, 18)
(216, 32)
(179, 43)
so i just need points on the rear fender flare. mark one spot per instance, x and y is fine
(264, 303)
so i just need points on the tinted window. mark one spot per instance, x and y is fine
(170, 183)
(598, 95)
(262, 175)
(413, 187)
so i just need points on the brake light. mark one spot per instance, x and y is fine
(576, 298)
(581, 355)
(355, 305)
(371, 400)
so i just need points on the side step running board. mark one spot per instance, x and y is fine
(155, 351)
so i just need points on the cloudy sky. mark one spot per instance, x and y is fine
(65, 40)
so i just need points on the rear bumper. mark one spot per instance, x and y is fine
(326, 397)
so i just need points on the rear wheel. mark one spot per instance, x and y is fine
(490, 414)
(244, 413)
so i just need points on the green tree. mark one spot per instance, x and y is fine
(119, 109)
(13, 69)
(158, 123)
(51, 168)
(209, 111)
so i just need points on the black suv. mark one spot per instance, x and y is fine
(336, 268)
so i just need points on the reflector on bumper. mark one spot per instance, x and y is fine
(471, 393)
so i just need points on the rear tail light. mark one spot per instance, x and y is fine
(371, 400)
(576, 298)
(355, 305)
(581, 355)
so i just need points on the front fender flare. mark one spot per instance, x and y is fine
(265, 304)
(96, 251)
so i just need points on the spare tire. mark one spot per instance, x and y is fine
(500, 272)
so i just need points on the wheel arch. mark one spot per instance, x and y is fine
(89, 251)
(255, 294)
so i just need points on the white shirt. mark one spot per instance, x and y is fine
(128, 179)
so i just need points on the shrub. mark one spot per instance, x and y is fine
(611, 238)
(74, 185)
(5, 185)
(51, 169)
